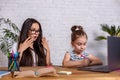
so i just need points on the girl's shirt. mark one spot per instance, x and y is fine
(75, 57)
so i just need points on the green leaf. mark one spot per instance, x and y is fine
(100, 38)
(10, 34)
(113, 30)
(110, 30)
(106, 28)
(118, 31)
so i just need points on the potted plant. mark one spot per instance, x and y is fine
(8, 35)
(110, 30)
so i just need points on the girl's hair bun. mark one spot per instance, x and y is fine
(76, 28)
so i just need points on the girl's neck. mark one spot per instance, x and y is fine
(77, 52)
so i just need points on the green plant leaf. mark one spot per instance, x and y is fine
(110, 30)
(10, 35)
(106, 28)
(113, 30)
(100, 38)
(118, 31)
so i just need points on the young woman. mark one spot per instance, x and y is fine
(77, 57)
(32, 47)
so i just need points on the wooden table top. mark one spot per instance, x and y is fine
(76, 75)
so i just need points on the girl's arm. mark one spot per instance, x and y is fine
(94, 60)
(68, 63)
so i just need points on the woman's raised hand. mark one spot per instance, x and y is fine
(27, 43)
(45, 43)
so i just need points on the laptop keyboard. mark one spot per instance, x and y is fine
(101, 68)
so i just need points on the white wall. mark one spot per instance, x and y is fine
(57, 17)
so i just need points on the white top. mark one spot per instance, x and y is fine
(34, 58)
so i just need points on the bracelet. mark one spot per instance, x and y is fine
(48, 66)
(36, 73)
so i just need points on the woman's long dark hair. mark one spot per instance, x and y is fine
(26, 59)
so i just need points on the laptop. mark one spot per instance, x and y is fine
(113, 57)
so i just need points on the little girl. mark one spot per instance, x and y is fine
(77, 57)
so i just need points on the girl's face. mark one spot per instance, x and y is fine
(79, 44)
(34, 31)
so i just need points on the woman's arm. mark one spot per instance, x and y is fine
(68, 63)
(45, 45)
(48, 60)
(37, 73)
(94, 60)
(46, 71)
(28, 73)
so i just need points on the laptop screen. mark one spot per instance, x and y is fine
(113, 52)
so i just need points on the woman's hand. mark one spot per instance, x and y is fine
(20, 74)
(27, 43)
(23, 46)
(50, 71)
(45, 44)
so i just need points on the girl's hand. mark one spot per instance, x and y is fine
(87, 62)
(45, 43)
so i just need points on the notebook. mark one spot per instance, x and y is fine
(3, 72)
(113, 57)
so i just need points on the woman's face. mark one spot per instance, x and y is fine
(34, 31)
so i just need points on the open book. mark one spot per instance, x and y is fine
(2, 73)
